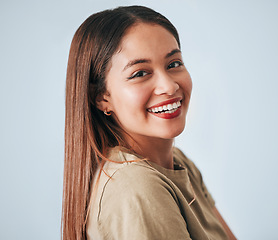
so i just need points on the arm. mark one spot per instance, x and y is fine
(224, 224)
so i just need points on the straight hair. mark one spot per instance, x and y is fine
(88, 132)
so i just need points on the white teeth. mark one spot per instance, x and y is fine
(170, 111)
(169, 108)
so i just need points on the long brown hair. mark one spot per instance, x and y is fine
(88, 132)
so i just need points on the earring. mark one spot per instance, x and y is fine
(107, 113)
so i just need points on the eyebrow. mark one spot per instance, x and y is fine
(137, 61)
(174, 51)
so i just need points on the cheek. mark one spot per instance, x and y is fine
(187, 85)
(131, 97)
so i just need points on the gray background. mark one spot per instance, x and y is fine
(230, 49)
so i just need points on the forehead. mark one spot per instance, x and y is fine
(146, 39)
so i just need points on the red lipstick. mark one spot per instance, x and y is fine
(170, 101)
(168, 113)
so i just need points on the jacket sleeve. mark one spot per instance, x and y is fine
(137, 203)
(196, 174)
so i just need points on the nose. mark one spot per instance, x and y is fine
(165, 84)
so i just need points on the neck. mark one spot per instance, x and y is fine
(159, 151)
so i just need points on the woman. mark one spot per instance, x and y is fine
(127, 96)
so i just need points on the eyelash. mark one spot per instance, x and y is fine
(138, 73)
(180, 63)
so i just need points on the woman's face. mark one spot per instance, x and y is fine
(148, 87)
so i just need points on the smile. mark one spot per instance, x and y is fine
(167, 108)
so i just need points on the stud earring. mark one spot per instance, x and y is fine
(107, 113)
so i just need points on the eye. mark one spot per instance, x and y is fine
(138, 74)
(175, 64)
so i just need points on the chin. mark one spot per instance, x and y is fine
(172, 133)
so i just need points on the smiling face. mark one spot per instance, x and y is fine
(148, 87)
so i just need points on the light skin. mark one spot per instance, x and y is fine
(146, 71)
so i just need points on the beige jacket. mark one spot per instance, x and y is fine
(144, 201)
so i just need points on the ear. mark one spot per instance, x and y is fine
(103, 102)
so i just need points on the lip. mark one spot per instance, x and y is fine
(165, 115)
(170, 101)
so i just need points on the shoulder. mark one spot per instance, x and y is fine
(135, 202)
(183, 160)
(129, 170)
(136, 184)
(194, 173)
(130, 178)
(135, 179)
